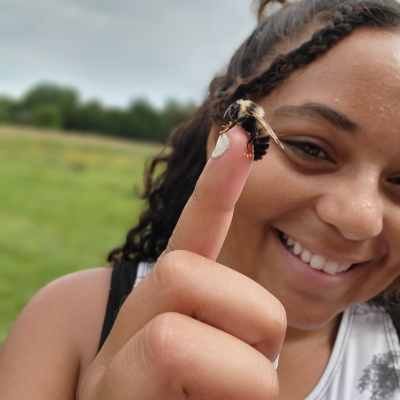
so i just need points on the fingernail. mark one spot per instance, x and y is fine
(276, 362)
(222, 146)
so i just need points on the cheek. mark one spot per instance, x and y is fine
(273, 189)
(392, 235)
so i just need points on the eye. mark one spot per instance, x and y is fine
(308, 150)
(394, 188)
(396, 181)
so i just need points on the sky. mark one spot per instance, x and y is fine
(119, 50)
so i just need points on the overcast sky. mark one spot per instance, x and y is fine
(116, 50)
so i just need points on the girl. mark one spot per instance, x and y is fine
(295, 255)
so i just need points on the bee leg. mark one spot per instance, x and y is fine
(249, 152)
(226, 128)
(251, 141)
(242, 122)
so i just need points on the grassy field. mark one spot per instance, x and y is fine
(65, 201)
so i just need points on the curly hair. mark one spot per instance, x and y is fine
(261, 63)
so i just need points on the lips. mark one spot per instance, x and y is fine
(316, 261)
(328, 261)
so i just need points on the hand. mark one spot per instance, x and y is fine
(193, 328)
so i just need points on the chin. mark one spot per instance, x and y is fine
(308, 316)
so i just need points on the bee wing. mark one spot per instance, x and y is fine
(268, 130)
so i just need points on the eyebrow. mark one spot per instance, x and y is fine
(319, 110)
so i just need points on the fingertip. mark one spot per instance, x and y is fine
(233, 144)
(238, 134)
(227, 172)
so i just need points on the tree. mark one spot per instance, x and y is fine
(7, 106)
(90, 117)
(142, 121)
(56, 106)
(65, 98)
(173, 114)
(46, 116)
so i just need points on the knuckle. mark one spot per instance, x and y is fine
(198, 194)
(277, 321)
(273, 330)
(202, 197)
(280, 320)
(162, 343)
(172, 270)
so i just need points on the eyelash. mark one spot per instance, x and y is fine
(396, 181)
(303, 146)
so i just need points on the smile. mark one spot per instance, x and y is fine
(315, 261)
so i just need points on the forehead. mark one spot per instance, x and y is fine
(364, 67)
(367, 60)
(360, 76)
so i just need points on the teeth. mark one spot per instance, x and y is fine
(316, 261)
(344, 267)
(331, 267)
(297, 248)
(319, 262)
(306, 256)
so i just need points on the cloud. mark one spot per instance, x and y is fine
(121, 49)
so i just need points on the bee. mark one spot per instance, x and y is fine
(249, 116)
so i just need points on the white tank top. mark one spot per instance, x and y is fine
(365, 361)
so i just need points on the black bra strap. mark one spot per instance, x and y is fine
(122, 280)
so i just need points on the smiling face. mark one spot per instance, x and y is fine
(335, 189)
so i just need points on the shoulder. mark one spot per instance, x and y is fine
(74, 300)
(61, 327)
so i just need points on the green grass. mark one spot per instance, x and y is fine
(65, 201)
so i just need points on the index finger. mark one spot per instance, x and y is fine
(205, 220)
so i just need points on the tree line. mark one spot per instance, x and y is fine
(48, 105)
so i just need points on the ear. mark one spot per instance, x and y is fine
(212, 139)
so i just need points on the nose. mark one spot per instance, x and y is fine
(354, 207)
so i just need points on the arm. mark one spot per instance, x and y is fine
(54, 338)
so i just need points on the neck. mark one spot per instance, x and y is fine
(304, 357)
(325, 333)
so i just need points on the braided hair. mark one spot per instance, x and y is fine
(263, 61)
